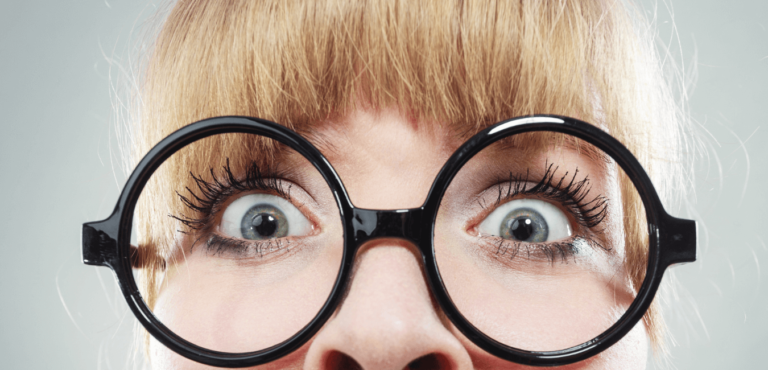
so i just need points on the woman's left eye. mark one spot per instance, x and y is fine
(263, 216)
(527, 220)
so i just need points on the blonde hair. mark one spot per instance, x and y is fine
(464, 64)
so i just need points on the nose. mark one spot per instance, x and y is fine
(388, 319)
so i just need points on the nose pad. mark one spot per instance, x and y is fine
(388, 319)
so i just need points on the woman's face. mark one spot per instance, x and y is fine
(388, 319)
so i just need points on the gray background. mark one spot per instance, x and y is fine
(59, 168)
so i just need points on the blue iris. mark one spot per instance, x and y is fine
(264, 221)
(524, 224)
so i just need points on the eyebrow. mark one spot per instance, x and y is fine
(322, 142)
(590, 151)
(580, 146)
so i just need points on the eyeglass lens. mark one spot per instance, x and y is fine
(251, 240)
(531, 240)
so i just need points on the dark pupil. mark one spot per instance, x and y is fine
(521, 228)
(264, 224)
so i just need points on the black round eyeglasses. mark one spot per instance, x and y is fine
(524, 238)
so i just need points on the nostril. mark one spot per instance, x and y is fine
(338, 360)
(428, 362)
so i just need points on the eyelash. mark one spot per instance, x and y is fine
(219, 245)
(551, 251)
(212, 193)
(219, 188)
(572, 196)
(588, 213)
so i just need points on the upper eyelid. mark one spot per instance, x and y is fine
(215, 194)
(301, 206)
(212, 206)
(490, 207)
(553, 190)
(570, 210)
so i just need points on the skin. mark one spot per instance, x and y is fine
(389, 320)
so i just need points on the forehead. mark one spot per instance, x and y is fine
(390, 137)
(551, 142)
(374, 138)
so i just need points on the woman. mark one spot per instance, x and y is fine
(388, 91)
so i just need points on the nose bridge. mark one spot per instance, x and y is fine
(387, 318)
(405, 224)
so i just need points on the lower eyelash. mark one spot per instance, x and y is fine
(219, 245)
(551, 251)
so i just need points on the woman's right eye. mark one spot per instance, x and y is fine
(263, 216)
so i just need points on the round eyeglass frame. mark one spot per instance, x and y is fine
(107, 243)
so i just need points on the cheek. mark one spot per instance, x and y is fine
(162, 358)
(540, 313)
(630, 353)
(235, 306)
